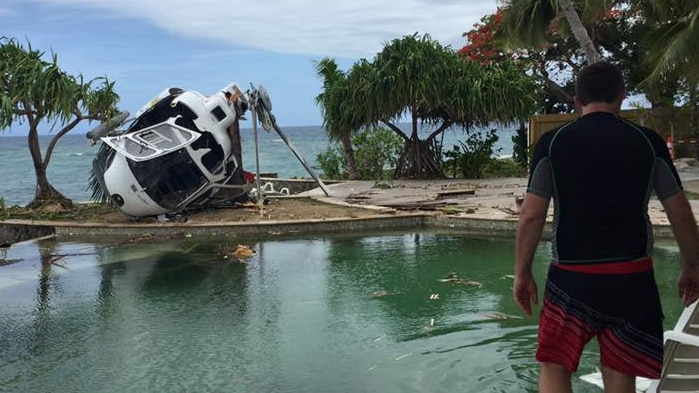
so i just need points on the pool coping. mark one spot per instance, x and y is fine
(20, 230)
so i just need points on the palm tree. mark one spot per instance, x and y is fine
(675, 39)
(35, 92)
(333, 102)
(528, 22)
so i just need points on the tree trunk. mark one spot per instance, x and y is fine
(45, 195)
(579, 31)
(346, 140)
(418, 161)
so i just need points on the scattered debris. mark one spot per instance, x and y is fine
(451, 193)
(509, 211)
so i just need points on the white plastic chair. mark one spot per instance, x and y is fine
(680, 361)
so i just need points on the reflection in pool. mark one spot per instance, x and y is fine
(326, 314)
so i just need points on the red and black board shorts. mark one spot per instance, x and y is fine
(616, 302)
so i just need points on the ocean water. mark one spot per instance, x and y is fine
(72, 159)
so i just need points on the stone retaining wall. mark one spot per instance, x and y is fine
(318, 226)
(15, 233)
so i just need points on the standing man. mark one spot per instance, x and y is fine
(600, 171)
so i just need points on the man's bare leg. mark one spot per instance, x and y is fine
(616, 382)
(554, 378)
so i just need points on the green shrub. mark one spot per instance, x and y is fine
(333, 163)
(376, 152)
(474, 156)
(505, 168)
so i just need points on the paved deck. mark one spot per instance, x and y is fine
(492, 199)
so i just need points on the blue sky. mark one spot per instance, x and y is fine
(146, 46)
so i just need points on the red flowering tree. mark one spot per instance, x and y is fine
(553, 64)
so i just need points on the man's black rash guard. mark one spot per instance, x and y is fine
(600, 171)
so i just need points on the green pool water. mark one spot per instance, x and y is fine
(324, 314)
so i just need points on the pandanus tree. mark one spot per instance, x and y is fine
(417, 80)
(35, 92)
(333, 102)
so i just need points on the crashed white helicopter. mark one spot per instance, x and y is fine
(177, 152)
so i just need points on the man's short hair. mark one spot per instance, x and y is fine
(599, 82)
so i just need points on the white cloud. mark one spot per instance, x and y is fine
(343, 28)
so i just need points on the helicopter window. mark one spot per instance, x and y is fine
(165, 137)
(135, 148)
(213, 160)
(218, 113)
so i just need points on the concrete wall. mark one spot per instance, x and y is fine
(15, 233)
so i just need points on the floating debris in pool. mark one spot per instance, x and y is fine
(434, 296)
(430, 326)
(240, 252)
(380, 294)
(496, 315)
(401, 357)
(454, 278)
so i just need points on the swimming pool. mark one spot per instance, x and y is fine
(426, 311)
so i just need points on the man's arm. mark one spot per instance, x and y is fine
(684, 227)
(532, 218)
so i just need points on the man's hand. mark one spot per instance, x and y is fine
(688, 285)
(526, 292)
